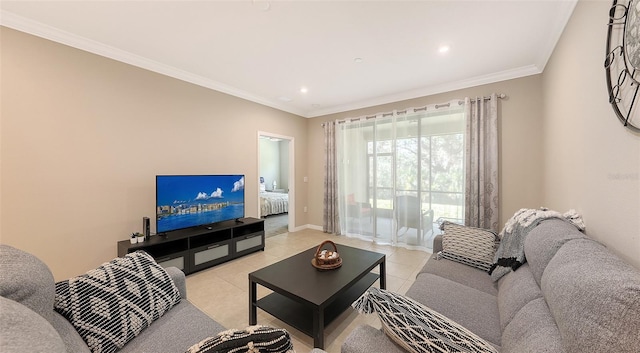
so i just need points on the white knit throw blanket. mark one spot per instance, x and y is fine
(510, 253)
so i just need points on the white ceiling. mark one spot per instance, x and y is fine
(265, 51)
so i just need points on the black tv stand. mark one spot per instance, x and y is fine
(198, 248)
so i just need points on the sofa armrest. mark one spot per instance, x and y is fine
(437, 244)
(179, 280)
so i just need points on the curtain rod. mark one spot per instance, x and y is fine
(473, 100)
(437, 106)
(499, 95)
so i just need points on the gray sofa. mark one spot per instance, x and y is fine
(27, 287)
(572, 295)
(29, 323)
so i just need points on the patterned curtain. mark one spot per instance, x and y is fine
(481, 165)
(331, 217)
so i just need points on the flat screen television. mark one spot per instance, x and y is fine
(187, 201)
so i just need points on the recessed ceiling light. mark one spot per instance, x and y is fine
(303, 90)
(262, 5)
(358, 60)
(443, 49)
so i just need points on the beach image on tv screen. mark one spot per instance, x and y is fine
(184, 201)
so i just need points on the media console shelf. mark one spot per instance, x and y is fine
(198, 248)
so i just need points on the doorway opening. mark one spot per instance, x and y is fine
(276, 182)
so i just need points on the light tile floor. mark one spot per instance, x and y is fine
(222, 291)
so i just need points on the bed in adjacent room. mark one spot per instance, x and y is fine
(273, 203)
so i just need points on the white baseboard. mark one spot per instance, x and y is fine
(307, 226)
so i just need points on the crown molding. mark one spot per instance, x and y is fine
(431, 90)
(11, 20)
(19, 23)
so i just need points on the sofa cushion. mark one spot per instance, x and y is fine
(463, 274)
(543, 242)
(112, 304)
(594, 297)
(23, 330)
(69, 335)
(515, 290)
(469, 307)
(532, 330)
(26, 280)
(418, 328)
(251, 339)
(468, 245)
(184, 325)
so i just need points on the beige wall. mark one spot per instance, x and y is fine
(84, 136)
(520, 142)
(591, 162)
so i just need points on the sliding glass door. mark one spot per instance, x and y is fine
(401, 173)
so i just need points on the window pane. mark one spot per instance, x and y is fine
(425, 163)
(426, 201)
(448, 163)
(384, 171)
(383, 146)
(407, 164)
(384, 135)
(384, 199)
(449, 206)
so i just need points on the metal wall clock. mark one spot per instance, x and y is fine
(622, 64)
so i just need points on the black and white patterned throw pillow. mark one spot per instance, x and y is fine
(471, 246)
(418, 328)
(113, 303)
(257, 338)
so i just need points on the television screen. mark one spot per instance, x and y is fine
(184, 201)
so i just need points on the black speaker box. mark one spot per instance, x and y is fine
(146, 227)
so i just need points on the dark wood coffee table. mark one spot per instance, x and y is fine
(309, 299)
